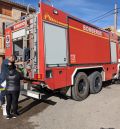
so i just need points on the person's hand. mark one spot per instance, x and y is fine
(9, 63)
(25, 81)
(18, 70)
(18, 63)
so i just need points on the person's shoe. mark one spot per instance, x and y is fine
(15, 115)
(8, 117)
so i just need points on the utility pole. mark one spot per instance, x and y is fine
(115, 16)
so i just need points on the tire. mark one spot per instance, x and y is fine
(80, 90)
(95, 80)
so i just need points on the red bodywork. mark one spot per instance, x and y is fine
(87, 47)
(97, 48)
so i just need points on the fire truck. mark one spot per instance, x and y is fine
(59, 52)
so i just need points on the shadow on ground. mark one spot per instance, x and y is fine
(107, 84)
(27, 107)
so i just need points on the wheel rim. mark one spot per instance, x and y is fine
(97, 82)
(81, 86)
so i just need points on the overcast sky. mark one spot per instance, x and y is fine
(85, 9)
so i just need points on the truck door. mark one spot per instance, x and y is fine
(55, 45)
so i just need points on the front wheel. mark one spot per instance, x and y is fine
(80, 90)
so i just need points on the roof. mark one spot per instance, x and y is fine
(18, 5)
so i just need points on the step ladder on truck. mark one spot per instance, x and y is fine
(62, 53)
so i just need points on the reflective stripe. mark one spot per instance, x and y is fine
(1, 89)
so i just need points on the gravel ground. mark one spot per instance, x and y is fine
(100, 111)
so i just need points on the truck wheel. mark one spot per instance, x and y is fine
(95, 80)
(80, 90)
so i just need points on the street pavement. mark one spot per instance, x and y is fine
(98, 111)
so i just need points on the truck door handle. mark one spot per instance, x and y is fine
(64, 59)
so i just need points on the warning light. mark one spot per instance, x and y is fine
(55, 12)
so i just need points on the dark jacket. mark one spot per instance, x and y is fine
(13, 80)
(4, 69)
(1, 80)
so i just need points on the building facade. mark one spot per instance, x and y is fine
(10, 12)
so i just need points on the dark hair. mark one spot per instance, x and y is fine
(12, 66)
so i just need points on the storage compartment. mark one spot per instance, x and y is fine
(113, 52)
(24, 45)
(88, 44)
(23, 58)
(18, 49)
(55, 45)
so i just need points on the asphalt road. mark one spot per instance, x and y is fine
(100, 111)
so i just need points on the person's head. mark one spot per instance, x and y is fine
(10, 66)
(11, 58)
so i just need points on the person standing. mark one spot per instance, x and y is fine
(12, 90)
(2, 100)
(4, 72)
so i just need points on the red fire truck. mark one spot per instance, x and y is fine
(58, 51)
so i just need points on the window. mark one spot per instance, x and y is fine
(23, 14)
(5, 10)
(3, 27)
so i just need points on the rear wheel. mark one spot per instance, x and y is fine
(95, 80)
(80, 90)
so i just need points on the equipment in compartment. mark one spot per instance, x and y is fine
(25, 46)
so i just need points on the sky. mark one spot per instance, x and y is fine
(84, 9)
